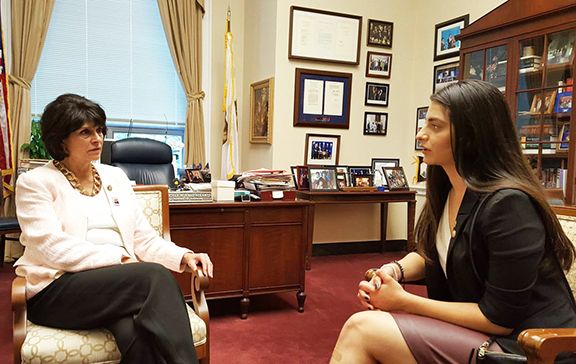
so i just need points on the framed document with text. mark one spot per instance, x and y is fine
(322, 99)
(320, 35)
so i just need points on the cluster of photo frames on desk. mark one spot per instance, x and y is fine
(385, 172)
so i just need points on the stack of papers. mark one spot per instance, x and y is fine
(266, 180)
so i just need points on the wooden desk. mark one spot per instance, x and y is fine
(256, 247)
(383, 198)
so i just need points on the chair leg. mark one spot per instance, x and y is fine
(2, 249)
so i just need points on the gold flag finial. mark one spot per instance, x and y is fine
(228, 17)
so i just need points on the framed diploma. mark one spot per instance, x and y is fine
(320, 35)
(322, 99)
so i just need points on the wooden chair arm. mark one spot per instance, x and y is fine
(200, 283)
(542, 345)
(19, 316)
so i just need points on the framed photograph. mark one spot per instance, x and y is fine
(445, 43)
(320, 35)
(380, 33)
(396, 178)
(261, 111)
(378, 65)
(546, 103)
(194, 176)
(564, 138)
(421, 173)
(322, 99)
(322, 149)
(377, 94)
(294, 176)
(445, 75)
(303, 177)
(323, 179)
(341, 169)
(563, 102)
(362, 180)
(560, 48)
(364, 170)
(420, 122)
(375, 123)
(342, 179)
(378, 164)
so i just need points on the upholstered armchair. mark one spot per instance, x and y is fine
(33, 343)
(542, 345)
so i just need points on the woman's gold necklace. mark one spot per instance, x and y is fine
(75, 183)
(451, 224)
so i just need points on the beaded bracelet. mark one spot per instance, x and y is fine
(401, 270)
(393, 269)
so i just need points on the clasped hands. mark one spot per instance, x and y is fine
(382, 292)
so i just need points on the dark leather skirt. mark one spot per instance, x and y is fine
(433, 341)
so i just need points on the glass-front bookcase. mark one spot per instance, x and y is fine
(531, 61)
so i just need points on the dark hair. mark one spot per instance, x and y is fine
(65, 115)
(488, 157)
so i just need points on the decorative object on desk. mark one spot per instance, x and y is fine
(375, 123)
(380, 33)
(320, 35)
(444, 75)
(194, 176)
(294, 176)
(362, 180)
(377, 164)
(322, 99)
(223, 190)
(378, 64)
(261, 111)
(445, 43)
(377, 94)
(561, 48)
(186, 196)
(322, 149)
(563, 102)
(342, 179)
(564, 138)
(323, 179)
(354, 171)
(420, 122)
(421, 169)
(303, 177)
(396, 178)
(341, 169)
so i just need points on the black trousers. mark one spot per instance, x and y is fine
(140, 303)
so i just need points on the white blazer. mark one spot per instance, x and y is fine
(54, 227)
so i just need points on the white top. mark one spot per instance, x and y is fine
(443, 235)
(102, 228)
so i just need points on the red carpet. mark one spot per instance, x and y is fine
(275, 332)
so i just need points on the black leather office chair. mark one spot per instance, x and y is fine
(146, 161)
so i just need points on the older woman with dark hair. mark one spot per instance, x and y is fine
(488, 245)
(81, 227)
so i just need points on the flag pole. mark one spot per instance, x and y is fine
(228, 17)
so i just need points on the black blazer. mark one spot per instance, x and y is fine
(507, 246)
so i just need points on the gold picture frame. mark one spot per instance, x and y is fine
(547, 103)
(261, 111)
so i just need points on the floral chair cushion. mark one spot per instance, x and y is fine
(49, 345)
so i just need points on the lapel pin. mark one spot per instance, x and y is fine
(109, 188)
(115, 201)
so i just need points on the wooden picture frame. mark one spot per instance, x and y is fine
(564, 144)
(444, 75)
(322, 149)
(194, 175)
(545, 102)
(322, 99)
(445, 43)
(378, 164)
(375, 123)
(342, 180)
(261, 111)
(377, 94)
(420, 122)
(380, 33)
(396, 178)
(362, 180)
(323, 179)
(338, 43)
(378, 64)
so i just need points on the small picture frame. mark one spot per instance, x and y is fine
(564, 144)
(342, 179)
(303, 177)
(377, 94)
(378, 164)
(445, 75)
(375, 123)
(421, 173)
(563, 102)
(396, 178)
(380, 33)
(322, 149)
(294, 176)
(546, 104)
(445, 43)
(363, 180)
(378, 65)
(420, 123)
(261, 111)
(194, 176)
(323, 179)
(363, 170)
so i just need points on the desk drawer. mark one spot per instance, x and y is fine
(276, 214)
(206, 217)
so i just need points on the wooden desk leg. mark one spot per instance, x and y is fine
(411, 217)
(383, 225)
(244, 304)
(308, 257)
(301, 296)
